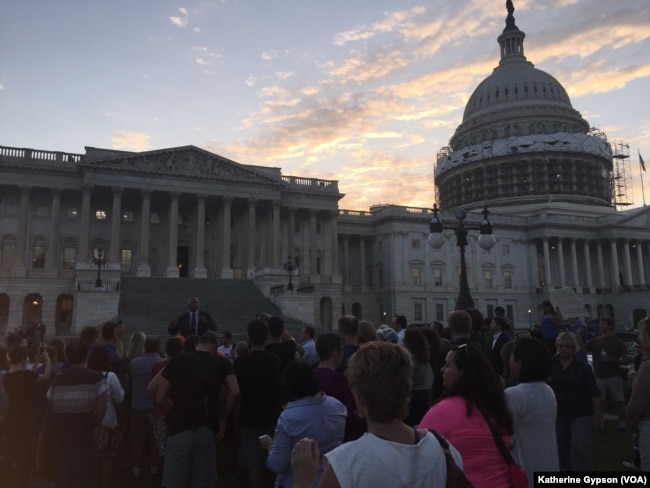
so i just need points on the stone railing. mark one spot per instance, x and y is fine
(312, 184)
(66, 159)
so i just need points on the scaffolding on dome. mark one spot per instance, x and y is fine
(442, 154)
(621, 178)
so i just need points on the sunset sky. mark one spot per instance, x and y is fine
(365, 92)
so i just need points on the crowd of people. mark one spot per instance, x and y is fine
(326, 410)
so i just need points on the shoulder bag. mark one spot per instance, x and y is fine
(455, 476)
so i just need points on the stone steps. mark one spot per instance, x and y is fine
(148, 304)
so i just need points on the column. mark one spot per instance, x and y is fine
(116, 219)
(336, 275)
(627, 261)
(346, 260)
(277, 238)
(199, 263)
(172, 247)
(574, 264)
(362, 259)
(560, 258)
(547, 265)
(314, 277)
(143, 264)
(252, 238)
(533, 262)
(53, 247)
(84, 232)
(587, 255)
(291, 245)
(601, 264)
(19, 268)
(226, 270)
(639, 262)
(616, 280)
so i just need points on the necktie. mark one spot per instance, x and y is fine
(195, 329)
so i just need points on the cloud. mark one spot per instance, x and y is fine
(404, 81)
(207, 57)
(390, 23)
(181, 21)
(132, 141)
(2, 87)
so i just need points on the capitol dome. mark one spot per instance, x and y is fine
(522, 141)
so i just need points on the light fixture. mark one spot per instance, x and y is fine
(486, 242)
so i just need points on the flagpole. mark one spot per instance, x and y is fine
(641, 171)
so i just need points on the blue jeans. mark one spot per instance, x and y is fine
(574, 442)
(190, 459)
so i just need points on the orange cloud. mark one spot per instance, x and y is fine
(131, 141)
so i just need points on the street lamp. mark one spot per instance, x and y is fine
(99, 261)
(486, 241)
(530, 319)
(289, 266)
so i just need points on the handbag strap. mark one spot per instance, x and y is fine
(456, 478)
(505, 452)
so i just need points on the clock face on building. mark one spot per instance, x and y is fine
(461, 214)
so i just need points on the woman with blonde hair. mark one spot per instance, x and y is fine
(638, 408)
(578, 397)
(136, 346)
(391, 453)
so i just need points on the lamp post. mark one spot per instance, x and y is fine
(486, 241)
(289, 266)
(530, 319)
(99, 261)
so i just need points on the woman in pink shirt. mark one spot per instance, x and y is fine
(471, 386)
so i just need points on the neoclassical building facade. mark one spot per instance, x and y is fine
(183, 213)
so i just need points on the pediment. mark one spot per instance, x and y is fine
(188, 162)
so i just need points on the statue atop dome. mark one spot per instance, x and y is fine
(510, 20)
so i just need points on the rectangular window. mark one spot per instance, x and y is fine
(127, 216)
(415, 244)
(490, 310)
(509, 311)
(506, 249)
(8, 251)
(126, 257)
(296, 226)
(487, 275)
(11, 209)
(317, 228)
(440, 316)
(69, 257)
(154, 218)
(72, 213)
(437, 277)
(42, 211)
(417, 312)
(507, 279)
(101, 214)
(38, 258)
(380, 277)
(417, 279)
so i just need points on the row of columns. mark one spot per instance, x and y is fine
(199, 270)
(600, 261)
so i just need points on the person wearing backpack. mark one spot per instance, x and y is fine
(189, 394)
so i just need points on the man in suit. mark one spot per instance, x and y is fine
(500, 336)
(192, 322)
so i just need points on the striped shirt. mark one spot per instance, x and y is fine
(73, 398)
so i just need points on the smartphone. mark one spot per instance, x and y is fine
(263, 437)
